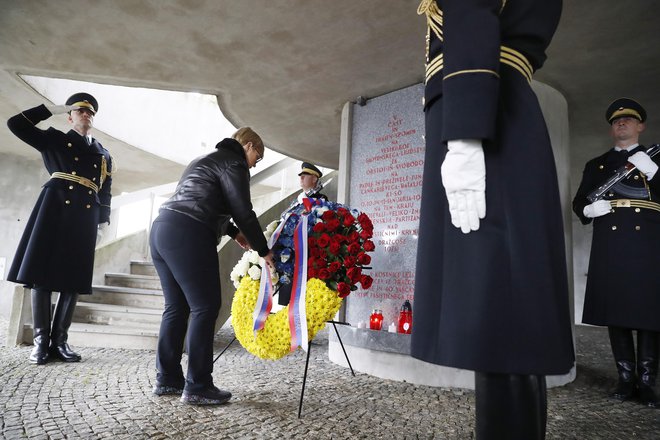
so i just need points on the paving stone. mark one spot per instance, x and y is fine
(108, 395)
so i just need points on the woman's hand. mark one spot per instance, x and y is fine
(242, 241)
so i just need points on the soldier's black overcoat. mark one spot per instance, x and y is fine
(623, 282)
(56, 251)
(496, 299)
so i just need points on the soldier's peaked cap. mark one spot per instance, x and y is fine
(308, 168)
(625, 107)
(83, 99)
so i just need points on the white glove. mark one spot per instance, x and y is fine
(597, 209)
(59, 109)
(464, 178)
(100, 231)
(644, 163)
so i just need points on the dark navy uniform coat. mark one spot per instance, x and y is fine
(623, 283)
(496, 299)
(56, 251)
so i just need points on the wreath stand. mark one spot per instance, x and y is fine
(309, 350)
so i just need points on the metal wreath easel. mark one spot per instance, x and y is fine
(309, 350)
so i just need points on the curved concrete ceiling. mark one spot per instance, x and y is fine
(287, 67)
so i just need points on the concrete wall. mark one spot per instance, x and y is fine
(20, 184)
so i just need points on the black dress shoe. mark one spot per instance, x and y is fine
(63, 352)
(648, 397)
(39, 355)
(624, 391)
(167, 390)
(210, 396)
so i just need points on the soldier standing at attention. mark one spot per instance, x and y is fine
(56, 251)
(623, 283)
(491, 287)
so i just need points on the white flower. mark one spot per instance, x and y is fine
(242, 266)
(253, 257)
(255, 273)
(272, 226)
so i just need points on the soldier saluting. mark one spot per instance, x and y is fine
(623, 282)
(56, 251)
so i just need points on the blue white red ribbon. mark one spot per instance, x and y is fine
(265, 298)
(297, 310)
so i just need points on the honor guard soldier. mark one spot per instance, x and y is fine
(623, 282)
(491, 287)
(56, 251)
(310, 182)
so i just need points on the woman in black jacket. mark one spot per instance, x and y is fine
(213, 190)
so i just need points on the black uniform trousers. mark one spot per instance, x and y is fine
(184, 253)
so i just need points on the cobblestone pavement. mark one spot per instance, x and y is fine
(108, 395)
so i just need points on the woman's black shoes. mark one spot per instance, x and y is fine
(210, 396)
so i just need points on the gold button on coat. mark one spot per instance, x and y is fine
(76, 159)
(614, 228)
(637, 228)
(70, 186)
(637, 210)
(69, 145)
(600, 167)
(68, 202)
(73, 172)
(95, 166)
(88, 206)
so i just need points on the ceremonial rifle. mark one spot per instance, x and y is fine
(621, 173)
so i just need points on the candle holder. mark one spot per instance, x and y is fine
(376, 320)
(405, 318)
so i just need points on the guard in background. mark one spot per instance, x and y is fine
(623, 283)
(56, 251)
(310, 182)
(491, 289)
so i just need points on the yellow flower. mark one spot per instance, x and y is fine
(274, 340)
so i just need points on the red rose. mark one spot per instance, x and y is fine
(334, 266)
(334, 248)
(349, 261)
(343, 289)
(348, 220)
(369, 246)
(315, 252)
(353, 236)
(366, 281)
(311, 241)
(363, 258)
(323, 240)
(319, 227)
(311, 273)
(344, 212)
(354, 273)
(323, 274)
(332, 225)
(366, 234)
(328, 215)
(353, 248)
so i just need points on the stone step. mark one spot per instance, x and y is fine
(143, 268)
(133, 280)
(113, 336)
(125, 296)
(109, 314)
(106, 336)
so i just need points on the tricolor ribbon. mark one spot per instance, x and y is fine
(297, 311)
(265, 298)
